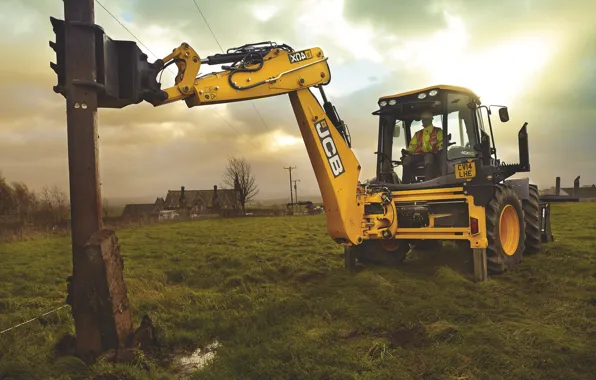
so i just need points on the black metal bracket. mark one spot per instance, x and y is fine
(88, 84)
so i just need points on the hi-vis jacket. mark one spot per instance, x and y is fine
(428, 139)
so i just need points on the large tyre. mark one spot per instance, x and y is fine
(505, 230)
(531, 208)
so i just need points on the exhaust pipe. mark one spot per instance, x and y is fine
(576, 187)
(524, 153)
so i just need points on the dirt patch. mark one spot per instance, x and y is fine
(420, 335)
(442, 331)
(413, 337)
(349, 334)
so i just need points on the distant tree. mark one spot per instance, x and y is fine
(7, 200)
(238, 175)
(60, 204)
(53, 205)
(25, 202)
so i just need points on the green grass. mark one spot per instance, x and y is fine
(274, 293)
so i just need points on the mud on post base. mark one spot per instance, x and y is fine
(99, 300)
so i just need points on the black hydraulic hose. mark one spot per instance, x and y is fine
(168, 64)
(247, 70)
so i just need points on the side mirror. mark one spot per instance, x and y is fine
(504, 114)
(397, 130)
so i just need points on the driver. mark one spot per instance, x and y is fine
(423, 148)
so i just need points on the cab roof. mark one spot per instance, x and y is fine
(437, 87)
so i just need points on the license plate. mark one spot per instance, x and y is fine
(466, 170)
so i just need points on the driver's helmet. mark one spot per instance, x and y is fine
(426, 115)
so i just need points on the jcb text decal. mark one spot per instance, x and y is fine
(337, 168)
(300, 56)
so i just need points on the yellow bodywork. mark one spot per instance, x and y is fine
(374, 224)
(279, 74)
(335, 166)
(337, 182)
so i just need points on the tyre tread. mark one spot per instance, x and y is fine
(531, 208)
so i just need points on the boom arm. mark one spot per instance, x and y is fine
(264, 70)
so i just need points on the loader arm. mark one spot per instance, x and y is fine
(264, 70)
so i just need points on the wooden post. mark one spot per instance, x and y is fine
(480, 266)
(97, 271)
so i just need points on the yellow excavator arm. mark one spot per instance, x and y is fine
(264, 70)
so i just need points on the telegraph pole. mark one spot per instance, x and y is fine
(291, 193)
(96, 290)
(296, 189)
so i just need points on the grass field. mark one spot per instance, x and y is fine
(274, 294)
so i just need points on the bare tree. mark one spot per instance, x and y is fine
(238, 175)
(7, 198)
(53, 206)
(60, 204)
(25, 201)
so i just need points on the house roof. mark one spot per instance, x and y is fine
(138, 209)
(584, 192)
(227, 197)
(173, 198)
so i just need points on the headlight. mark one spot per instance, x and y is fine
(433, 92)
(383, 103)
(421, 96)
(392, 102)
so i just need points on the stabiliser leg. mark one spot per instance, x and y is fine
(480, 266)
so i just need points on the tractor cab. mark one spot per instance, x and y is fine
(455, 111)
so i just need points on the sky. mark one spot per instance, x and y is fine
(538, 57)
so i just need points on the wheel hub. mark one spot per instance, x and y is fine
(509, 230)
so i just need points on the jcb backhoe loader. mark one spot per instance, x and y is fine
(470, 201)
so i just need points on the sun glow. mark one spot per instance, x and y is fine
(498, 73)
(283, 140)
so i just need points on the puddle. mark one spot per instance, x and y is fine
(198, 359)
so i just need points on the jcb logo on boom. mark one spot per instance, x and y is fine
(300, 56)
(337, 168)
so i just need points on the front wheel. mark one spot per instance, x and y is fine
(505, 230)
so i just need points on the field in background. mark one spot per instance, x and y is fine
(274, 294)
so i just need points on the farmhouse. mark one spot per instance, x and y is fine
(202, 201)
(143, 210)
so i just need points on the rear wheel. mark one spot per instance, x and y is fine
(383, 252)
(426, 245)
(505, 230)
(531, 208)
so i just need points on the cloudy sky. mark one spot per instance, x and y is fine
(536, 56)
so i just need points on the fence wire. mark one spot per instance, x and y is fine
(32, 319)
